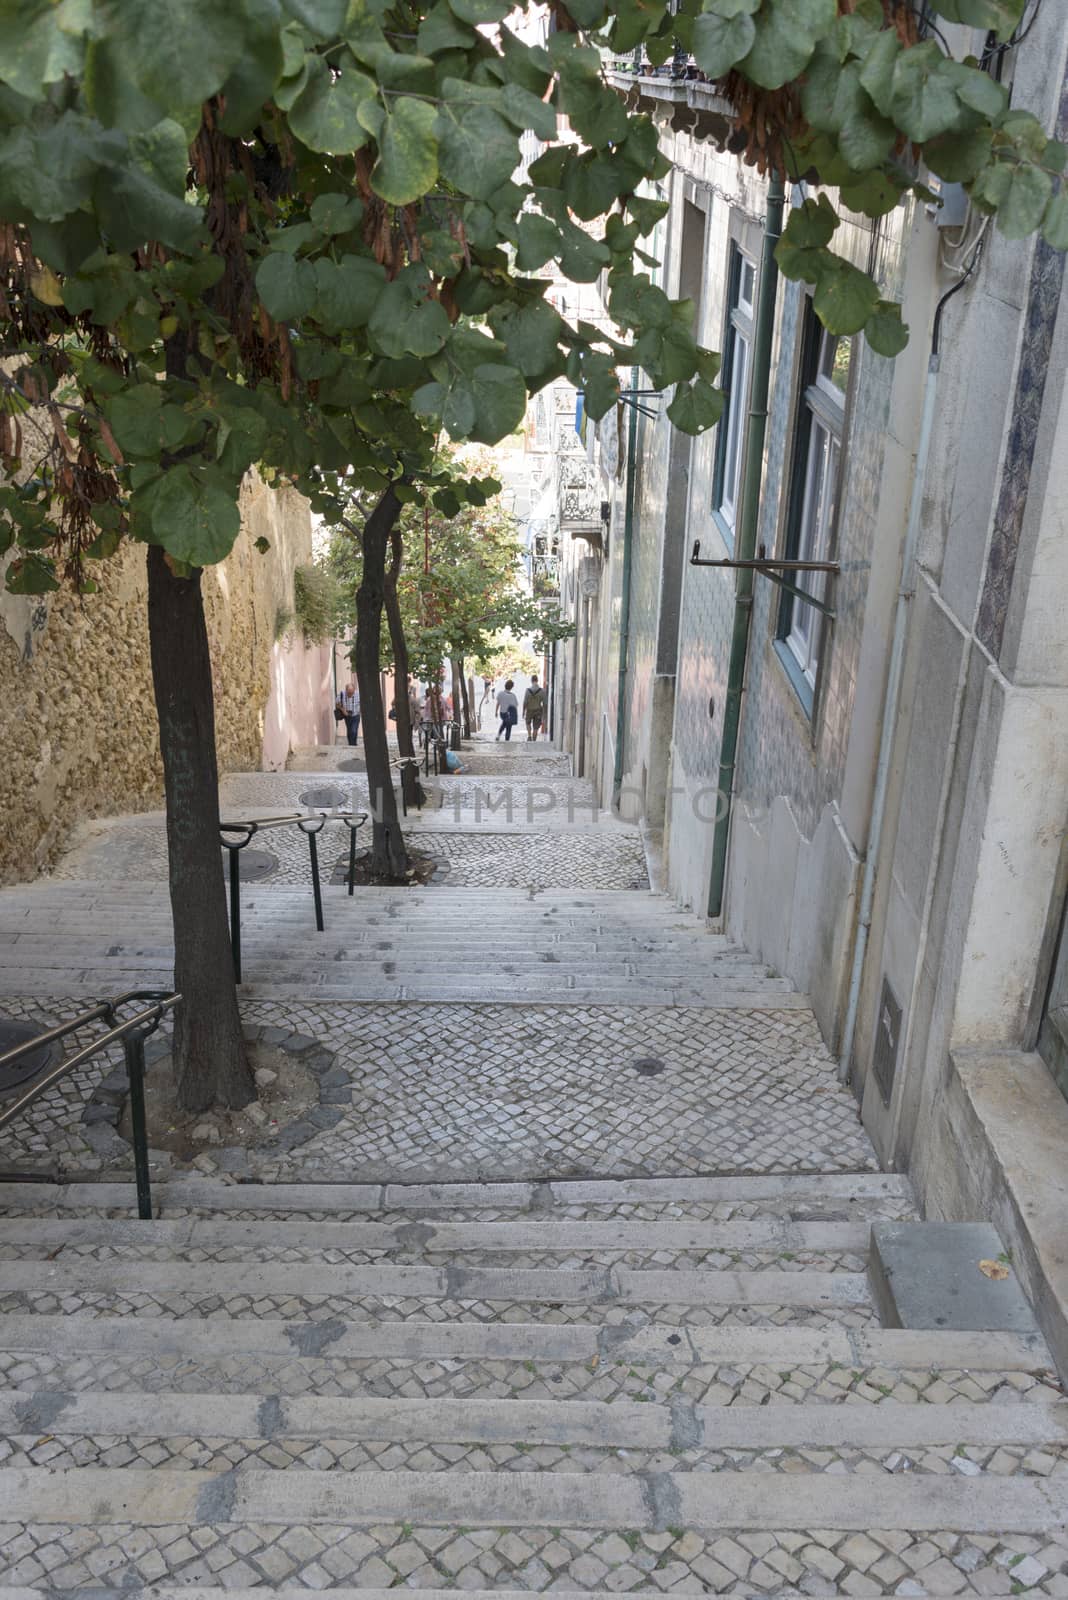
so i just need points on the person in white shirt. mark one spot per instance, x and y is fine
(507, 710)
(349, 702)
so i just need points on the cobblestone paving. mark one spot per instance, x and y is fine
(452, 1091)
(540, 860)
(380, 1308)
(509, 758)
(818, 1562)
(181, 1453)
(558, 1260)
(542, 1382)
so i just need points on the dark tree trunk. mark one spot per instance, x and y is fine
(410, 786)
(389, 857)
(465, 697)
(457, 703)
(211, 1066)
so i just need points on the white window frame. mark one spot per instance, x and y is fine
(813, 507)
(738, 351)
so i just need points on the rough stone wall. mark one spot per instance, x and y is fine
(77, 717)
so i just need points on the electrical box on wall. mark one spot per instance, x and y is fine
(953, 203)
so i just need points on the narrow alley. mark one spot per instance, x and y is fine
(564, 1283)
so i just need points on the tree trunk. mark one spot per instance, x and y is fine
(211, 1066)
(457, 704)
(410, 785)
(465, 698)
(389, 857)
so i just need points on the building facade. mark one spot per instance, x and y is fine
(888, 827)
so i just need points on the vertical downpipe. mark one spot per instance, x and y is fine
(745, 548)
(624, 603)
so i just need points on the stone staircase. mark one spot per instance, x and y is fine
(644, 1386)
(90, 937)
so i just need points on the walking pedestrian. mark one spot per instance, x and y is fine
(534, 707)
(348, 703)
(507, 710)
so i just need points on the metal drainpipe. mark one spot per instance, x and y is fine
(889, 719)
(745, 544)
(624, 603)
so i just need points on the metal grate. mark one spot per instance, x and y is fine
(887, 1039)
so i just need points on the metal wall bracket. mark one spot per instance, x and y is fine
(774, 570)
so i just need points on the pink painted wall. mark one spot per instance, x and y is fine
(299, 710)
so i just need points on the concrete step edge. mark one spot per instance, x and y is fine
(834, 1187)
(46, 1235)
(80, 1496)
(621, 1424)
(519, 1285)
(899, 1349)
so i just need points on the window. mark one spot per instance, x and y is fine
(813, 498)
(737, 345)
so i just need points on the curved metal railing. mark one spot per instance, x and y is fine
(132, 1033)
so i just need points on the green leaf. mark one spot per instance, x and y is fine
(845, 297)
(923, 99)
(1055, 221)
(479, 151)
(325, 115)
(181, 53)
(646, 213)
(134, 415)
(253, 79)
(811, 225)
(1024, 204)
(885, 331)
(873, 194)
(877, 70)
(531, 335)
(286, 286)
(194, 514)
(720, 42)
(440, 31)
(324, 19)
(404, 322)
(1001, 15)
(347, 291)
(40, 43)
(407, 165)
(696, 406)
(959, 157)
(31, 575)
(487, 405)
(600, 385)
(477, 12)
(539, 241)
(787, 32)
(593, 184)
(864, 137)
(335, 213)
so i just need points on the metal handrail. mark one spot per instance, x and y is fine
(133, 1033)
(310, 823)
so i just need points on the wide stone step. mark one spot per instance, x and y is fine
(653, 1501)
(664, 1347)
(679, 1426)
(47, 1237)
(807, 1193)
(291, 1282)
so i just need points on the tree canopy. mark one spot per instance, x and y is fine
(311, 215)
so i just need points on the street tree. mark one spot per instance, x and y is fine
(296, 235)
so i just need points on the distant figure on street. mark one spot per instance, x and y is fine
(414, 704)
(534, 707)
(348, 702)
(507, 710)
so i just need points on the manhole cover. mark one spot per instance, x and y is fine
(648, 1066)
(323, 799)
(355, 765)
(255, 864)
(13, 1034)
